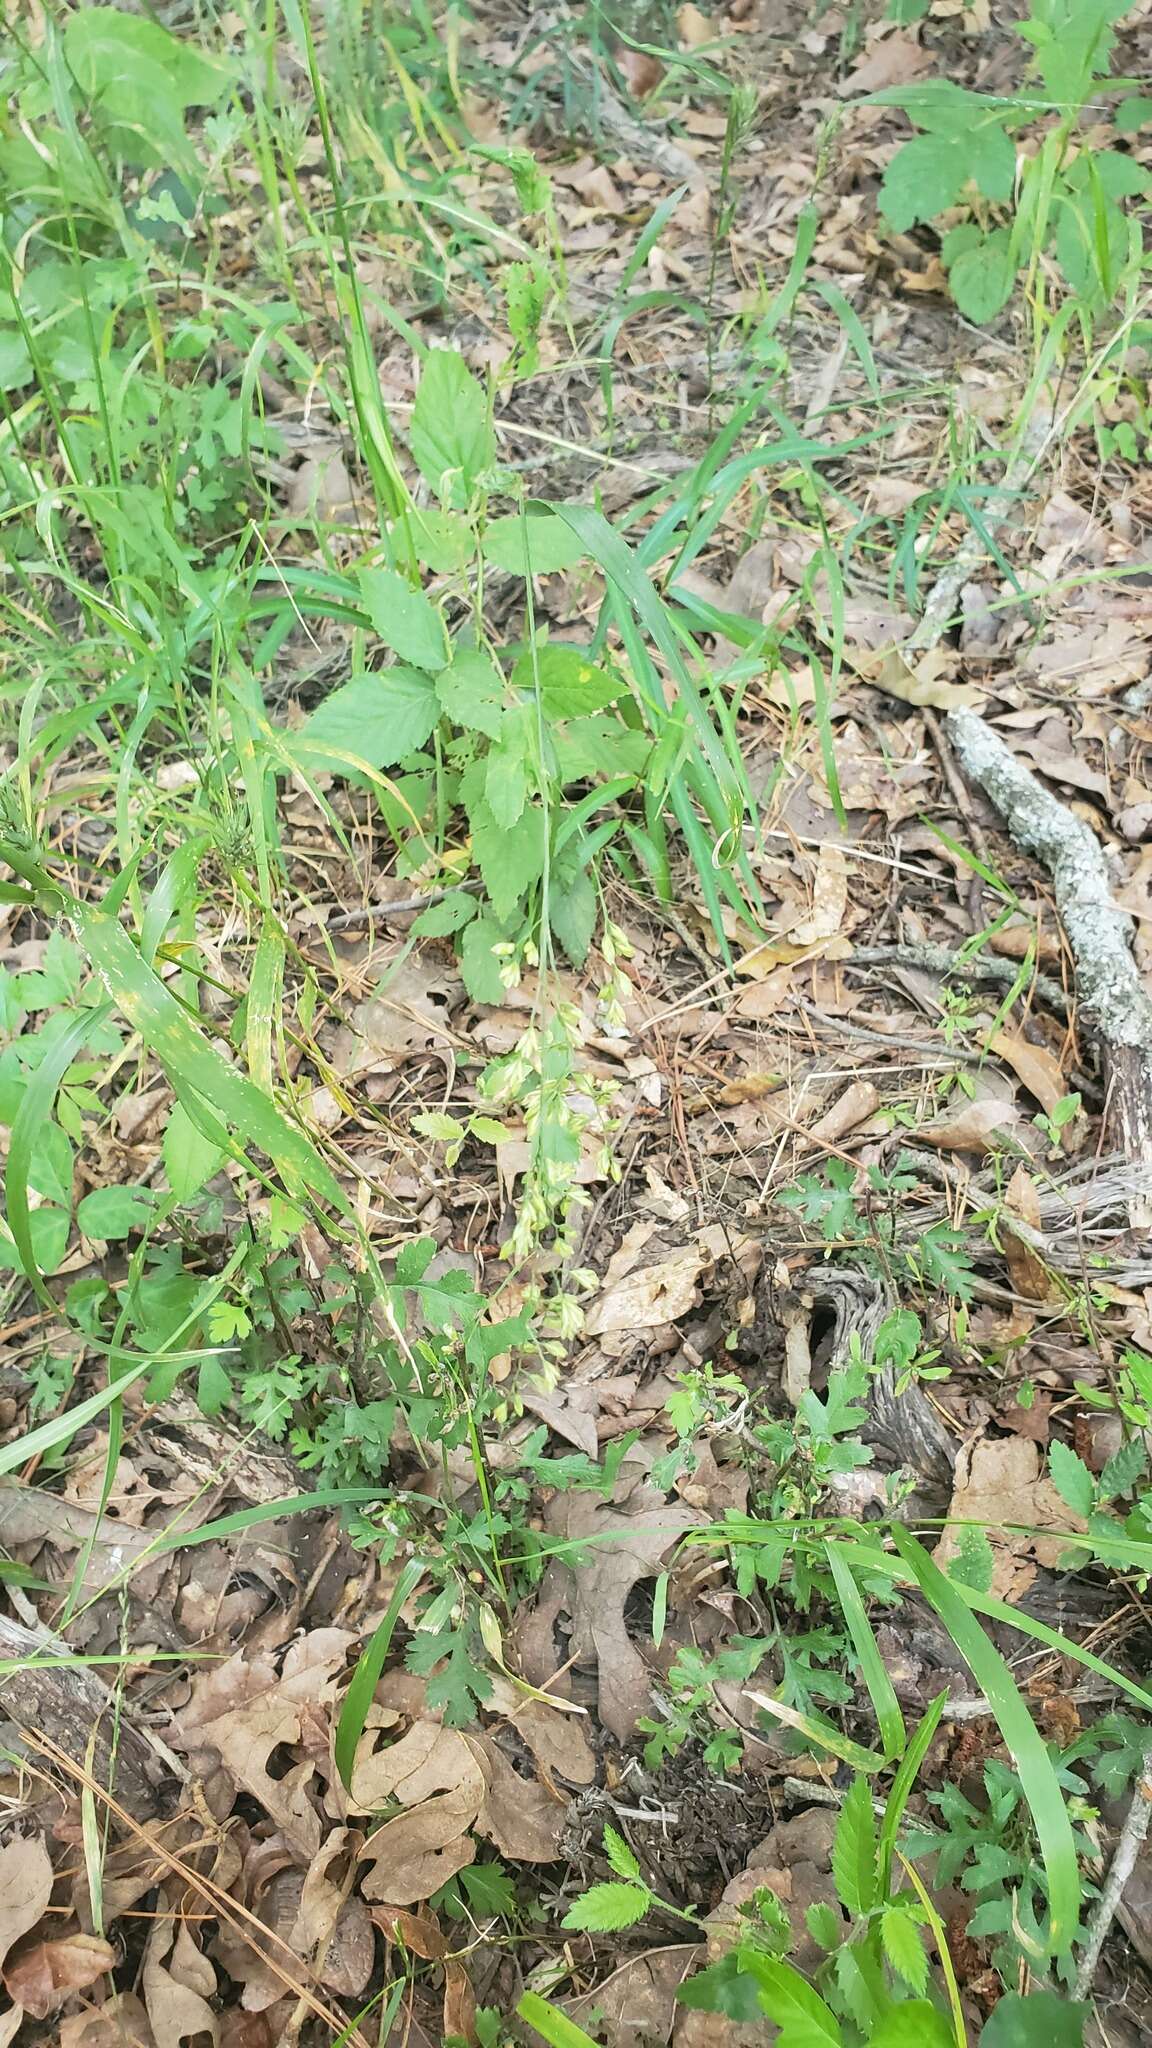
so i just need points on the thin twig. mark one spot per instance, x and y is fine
(1133, 1835)
(943, 960)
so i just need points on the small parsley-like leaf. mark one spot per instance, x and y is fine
(608, 1907)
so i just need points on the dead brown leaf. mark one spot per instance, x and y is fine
(1026, 1269)
(25, 1888)
(693, 27)
(997, 1482)
(40, 1978)
(120, 2023)
(922, 682)
(973, 1127)
(245, 1710)
(627, 1543)
(641, 1297)
(892, 60)
(413, 1855)
(177, 2010)
(1038, 1068)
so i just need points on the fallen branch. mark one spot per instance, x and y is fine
(944, 960)
(51, 1694)
(1133, 1835)
(1099, 933)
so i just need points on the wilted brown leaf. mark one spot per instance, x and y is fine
(245, 1710)
(997, 1482)
(693, 27)
(42, 1977)
(25, 1888)
(922, 682)
(973, 1127)
(646, 1295)
(177, 2009)
(1038, 1068)
(1026, 1269)
(120, 2023)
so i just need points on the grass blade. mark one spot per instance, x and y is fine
(553, 2027)
(358, 1697)
(885, 1704)
(1025, 1743)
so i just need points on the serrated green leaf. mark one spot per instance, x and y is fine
(973, 1564)
(433, 1123)
(570, 685)
(479, 965)
(372, 721)
(723, 1987)
(805, 2020)
(608, 1907)
(115, 1212)
(983, 275)
(825, 1925)
(450, 915)
(488, 1887)
(506, 778)
(904, 1947)
(472, 692)
(511, 862)
(619, 1854)
(924, 177)
(1072, 1479)
(854, 1850)
(534, 542)
(1124, 1467)
(451, 436)
(403, 618)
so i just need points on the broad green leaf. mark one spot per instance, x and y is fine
(552, 2026)
(213, 1386)
(1042, 2020)
(50, 1171)
(451, 436)
(1072, 1479)
(372, 721)
(992, 161)
(472, 692)
(801, 2014)
(982, 277)
(510, 861)
(113, 1213)
(573, 906)
(403, 618)
(48, 1233)
(440, 920)
(190, 1159)
(854, 1850)
(903, 1946)
(193, 1064)
(571, 686)
(479, 965)
(608, 1907)
(924, 177)
(535, 543)
(433, 1123)
(140, 79)
(725, 1988)
(440, 540)
(914, 2025)
(1025, 1744)
(506, 776)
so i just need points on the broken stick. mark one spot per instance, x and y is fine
(1099, 933)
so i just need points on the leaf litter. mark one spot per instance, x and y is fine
(823, 1082)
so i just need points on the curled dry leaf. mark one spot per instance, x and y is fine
(245, 1710)
(40, 1978)
(999, 1482)
(120, 2023)
(1039, 1069)
(975, 1127)
(1027, 1271)
(177, 2010)
(25, 1888)
(623, 1549)
(456, 1785)
(922, 683)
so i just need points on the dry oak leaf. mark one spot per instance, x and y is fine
(997, 1482)
(120, 2023)
(517, 1814)
(246, 1710)
(432, 1771)
(641, 1297)
(333, 1930)
(922, 683)
(624, 1548)
(556, 1740)
(40, 1978)
(25, 1888)
(177, 2010)
(974, 1127)
(1039, 1069)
